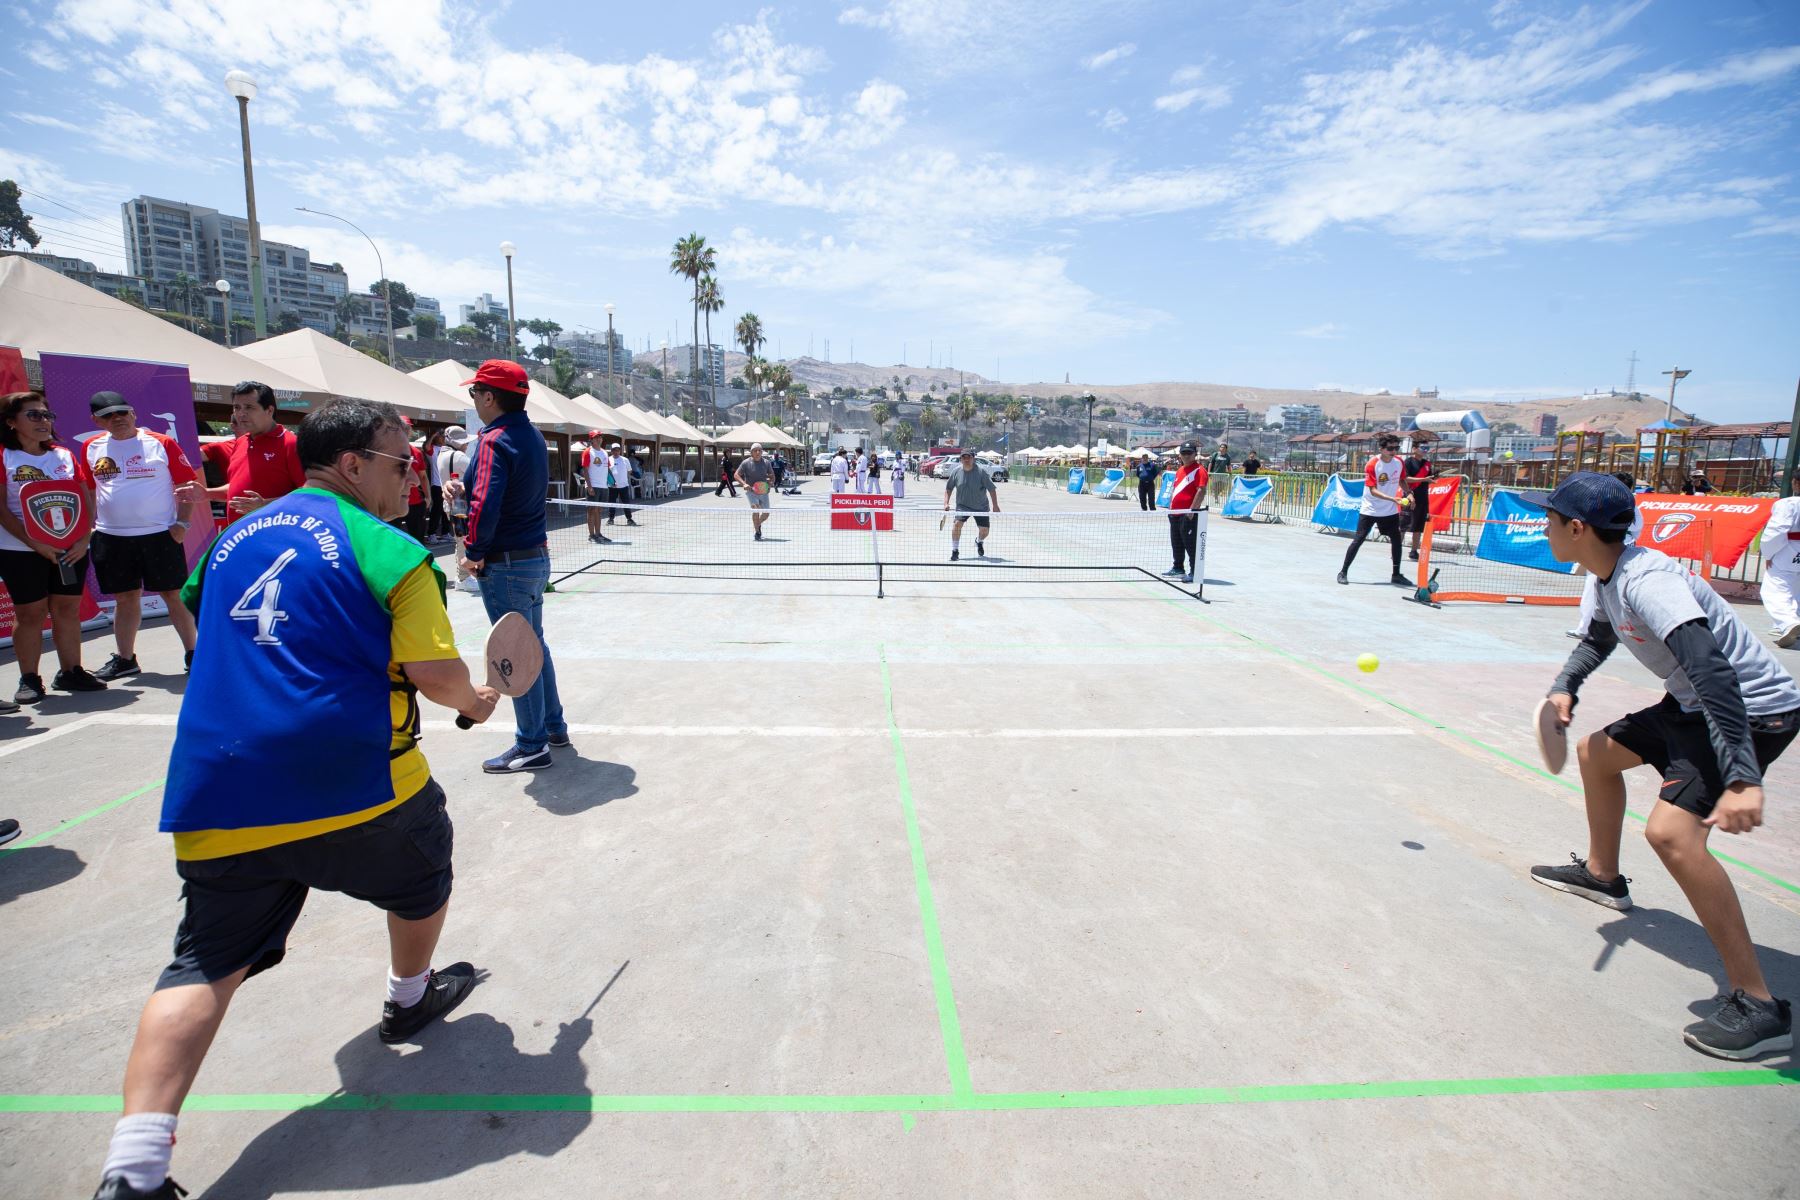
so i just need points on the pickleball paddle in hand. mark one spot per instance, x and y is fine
(1552, 735)
(514, 657)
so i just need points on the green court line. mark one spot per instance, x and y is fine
(948, 1023)
(1278, 1093)
(1458, 734)
(28, 843)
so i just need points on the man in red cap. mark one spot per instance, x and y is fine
(507, 546)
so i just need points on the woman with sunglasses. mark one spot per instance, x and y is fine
(32, 571)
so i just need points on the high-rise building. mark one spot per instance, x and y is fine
(162, 241)
(483, 303)
(1547, 425)
(1297, 420)
(83, 271)
(708, 362)
(590, 350)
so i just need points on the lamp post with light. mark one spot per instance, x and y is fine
(1090, 400)
(665, 375)
(240, 85)
(609, 353)
(512, 316)
(224, 286)
(387, 285)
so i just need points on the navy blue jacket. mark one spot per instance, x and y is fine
(511, 478)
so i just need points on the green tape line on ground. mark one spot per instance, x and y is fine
(948, 1023)
(1279, 1093)
(1454, 732)
(28, 843)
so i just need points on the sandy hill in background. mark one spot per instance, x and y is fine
(1618, 413)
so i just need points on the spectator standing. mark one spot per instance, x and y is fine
(727, 476)
(754, 474)
(1218, 468)
(840, 471)
(1416, 473)
(1781, 567)
(418, 481)
(596, 476)
(143, 496)
(263, 462)
(900, 475)
(1697, 484)
(974, 493)
(453, 466)
(508, 550)
(875, 472)
(1252, 465)
(32, 571)
(621, 485)
(1149, 471)
(862, 471)
(778, 466)
(261, 815)
(1185, 501)
(437, 528)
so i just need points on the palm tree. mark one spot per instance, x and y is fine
(749, 334)
(1012, 411)
(347, 310)
(756, 371)
(779, 378)
(881, 414)
(903, 435)
(692, 258)
(707, 297)
(184, 289)
(928, 421)
(963, 408)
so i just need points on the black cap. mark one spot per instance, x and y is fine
(105, 404)
(1189, 448)
(1594, 499)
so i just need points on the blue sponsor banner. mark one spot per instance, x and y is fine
(1339, 504)
(1077, 480)
(1165, 489)
(1514, 533)
(1109, 483)
(1246, 494)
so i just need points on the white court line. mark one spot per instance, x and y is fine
(49, 735)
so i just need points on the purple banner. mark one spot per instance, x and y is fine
(159, 393)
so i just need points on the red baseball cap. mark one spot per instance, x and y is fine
(501, 374)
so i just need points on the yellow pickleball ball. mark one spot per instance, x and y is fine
(1367, 663)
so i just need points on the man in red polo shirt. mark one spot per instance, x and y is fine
(263, 462)
(1184, 507)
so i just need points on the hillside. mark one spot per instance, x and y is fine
(1618, 413)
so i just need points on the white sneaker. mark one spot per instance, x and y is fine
(1788, 636)
(470, 585)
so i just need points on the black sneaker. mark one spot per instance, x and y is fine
(1172, 572)
(559, 741)
(114, 1187)
(1577, 880)
(980, 549)
(117, 667)
(31, 689)
(1742, 1028)
(1413, 554)
(9, 830)
(1399, 580)
(515, 760)
(955, 554)
(759, 535)
(187, 661)
(1344, 576)
(1188, 578)
(7, 706)
(443, 991)
(77, 679)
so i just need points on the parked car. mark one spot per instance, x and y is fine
(998, 471)
(821, 464)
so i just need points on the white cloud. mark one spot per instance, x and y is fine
(1208, 96)
(1329, 330)
(1107, 58)
(1464, 151)
(1113, 118)
(450, 280)
(1769, 225)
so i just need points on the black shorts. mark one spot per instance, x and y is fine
(1418, 514)
(981, 523)
(30, 577)
(238, 910)
(125, 562)
(1677, 744)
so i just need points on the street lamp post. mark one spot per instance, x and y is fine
(224, 286)
(387, 285)
(1090, 400)
(240, 85)
(665, 375)
(609, 353)
(1675, 376)
(512, 316)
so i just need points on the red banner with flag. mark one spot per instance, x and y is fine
(855, 510)
(1443, 496)
(1675, 524)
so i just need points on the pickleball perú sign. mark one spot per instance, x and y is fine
(853, 511)
(55, 512)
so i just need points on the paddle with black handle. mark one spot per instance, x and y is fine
(514, 657)
(55, 512)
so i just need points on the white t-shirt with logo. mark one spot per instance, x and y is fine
(621, 470)
(22, 468)
(599, 469)
(1384, 476)
(134, 482)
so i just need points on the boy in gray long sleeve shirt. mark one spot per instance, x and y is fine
(1729, 712)
(973, 491)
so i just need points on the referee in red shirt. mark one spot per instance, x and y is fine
(1184, 507)
(263, 462)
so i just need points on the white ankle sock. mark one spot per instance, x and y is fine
(409, 991)
(142, 1145)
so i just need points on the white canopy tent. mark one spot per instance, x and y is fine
(331, 366)
(546, 407)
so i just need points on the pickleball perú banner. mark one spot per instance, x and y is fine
(1165, 489)
(1513, 532)
(1442, 496)
(1674, 524)
(1246, 496)
(1340, 504)
(856, 510)
(1077, 480)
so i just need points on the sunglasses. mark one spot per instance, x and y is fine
(474, 392)
(405, 463)
(42, 415)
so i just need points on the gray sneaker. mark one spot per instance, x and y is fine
(1743, 1027)
(1577, 880)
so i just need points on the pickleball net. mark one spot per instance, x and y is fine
(800, 542)
(1509, 562)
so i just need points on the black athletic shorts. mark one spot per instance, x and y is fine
(1677, 744)
(30, 577)
(239, 909)
(127, 562)
(981, 522)
(1419, 513)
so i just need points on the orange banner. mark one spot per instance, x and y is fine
(1673, 524)
(1443, 495)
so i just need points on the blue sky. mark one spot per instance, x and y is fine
(1502, 200)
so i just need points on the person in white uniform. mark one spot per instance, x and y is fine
(862, 471)
(899, 476)
(1781, 568)
(840, 471)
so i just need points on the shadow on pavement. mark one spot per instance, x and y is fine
(1682, 940)
(35, 868)
(319, 1150)
(575, 784)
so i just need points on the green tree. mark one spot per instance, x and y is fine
(286, 321)
(1107, 413)
(347, 310)
(427, 326)
(707, 297)
(691, 259)
(928, 422)
(963, 408)
(184, 290)
(749, 334)
(490, 328)
(15, 226)
(880, 413)
(466, 335)
(903, 435)
(564, 371)
(400, 300)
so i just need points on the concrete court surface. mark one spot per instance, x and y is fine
(1029, 890)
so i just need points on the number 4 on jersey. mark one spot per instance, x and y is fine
(268, 611)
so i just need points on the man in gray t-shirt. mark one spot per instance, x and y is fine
(755, 475)
(974, 492)
(1729, 712)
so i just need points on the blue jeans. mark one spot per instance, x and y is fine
(519, 587)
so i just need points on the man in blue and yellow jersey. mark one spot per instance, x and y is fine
(296, 762)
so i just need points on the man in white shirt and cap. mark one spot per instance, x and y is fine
(621, 485)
